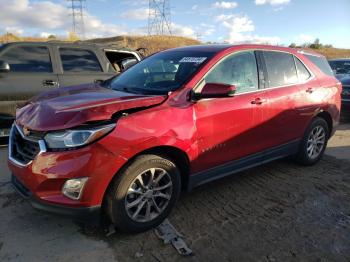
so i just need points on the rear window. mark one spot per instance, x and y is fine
(280, 68)
(322, 63)
(79, 60)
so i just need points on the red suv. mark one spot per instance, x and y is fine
(178, 119)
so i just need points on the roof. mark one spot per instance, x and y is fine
(66, 43)
(203, 48)
(216, 48)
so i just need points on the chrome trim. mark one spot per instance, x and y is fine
(303, 52)
(41, 143)
(20, 130)
(312, 77)
(85, 179)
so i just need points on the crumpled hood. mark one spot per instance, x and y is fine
(72, 106)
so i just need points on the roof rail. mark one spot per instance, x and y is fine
(305, 52)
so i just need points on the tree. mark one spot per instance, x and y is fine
(292, 45)
(316, 44)
(73, 37)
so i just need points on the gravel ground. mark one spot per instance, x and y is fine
(276, 212)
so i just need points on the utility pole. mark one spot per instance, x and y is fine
(159, 17)
(199, 36)
(77, 13)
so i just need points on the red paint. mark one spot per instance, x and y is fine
(209, 131)
(73, 106)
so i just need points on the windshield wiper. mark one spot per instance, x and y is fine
(124, 89)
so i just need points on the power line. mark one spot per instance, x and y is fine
(77, 13)
(159, 17)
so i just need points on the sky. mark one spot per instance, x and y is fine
(241, 21)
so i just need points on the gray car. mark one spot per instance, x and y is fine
(26, 69)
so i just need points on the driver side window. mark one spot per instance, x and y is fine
(238, 69)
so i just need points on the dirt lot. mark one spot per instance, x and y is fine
(276, 212)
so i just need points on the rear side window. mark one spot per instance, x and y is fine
(238, 69)
(321, 63)
(79, 60)
(303, 73)
(28, 59)
(280, 68)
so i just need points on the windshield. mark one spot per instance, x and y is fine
(340, 67)
(162, 72)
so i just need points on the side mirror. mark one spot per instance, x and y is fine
(216, 90)
(4, 67)
(127, 63)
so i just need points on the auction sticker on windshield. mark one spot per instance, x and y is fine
(189, 59)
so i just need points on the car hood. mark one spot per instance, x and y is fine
(72, 106)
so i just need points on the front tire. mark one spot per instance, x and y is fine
(143, 194)
(314, 142)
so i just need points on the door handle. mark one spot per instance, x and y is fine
(309, 90)
(50, 83)
(258, 101)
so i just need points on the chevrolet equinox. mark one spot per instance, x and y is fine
(126, 147)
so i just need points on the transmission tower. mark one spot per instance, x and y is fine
(77, 13)
(159, 17)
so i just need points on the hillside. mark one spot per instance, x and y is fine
(157, 43)
(152, 43)
(333, 52)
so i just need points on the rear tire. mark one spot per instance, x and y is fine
(143, 194)
(314, 142)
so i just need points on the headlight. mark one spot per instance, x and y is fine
(76, 137)
(73, 188)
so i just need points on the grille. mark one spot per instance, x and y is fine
(22, 150)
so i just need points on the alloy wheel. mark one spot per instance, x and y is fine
(316, 142)
(148, 195)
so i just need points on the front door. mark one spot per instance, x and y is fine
(226, 127)
(30, 73)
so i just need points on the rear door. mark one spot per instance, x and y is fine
(282, 97)
(80, 66)
(31, 72)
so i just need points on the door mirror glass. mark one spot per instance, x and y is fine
(127, 63)
(4, 67)
(216, 90)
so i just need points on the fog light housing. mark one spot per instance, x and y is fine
(73, 188)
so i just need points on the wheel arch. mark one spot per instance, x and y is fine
(178, 156)
(175, 154)
(328, 118)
